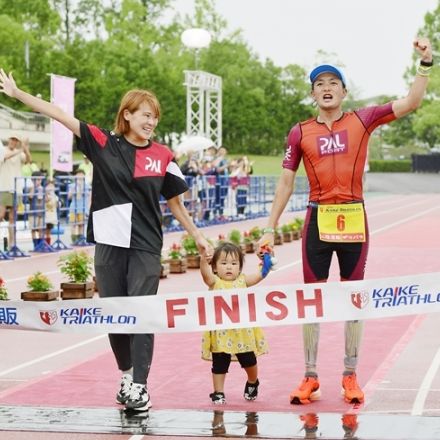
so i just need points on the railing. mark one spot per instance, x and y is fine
(210, 200)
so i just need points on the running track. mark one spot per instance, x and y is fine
(399, 365)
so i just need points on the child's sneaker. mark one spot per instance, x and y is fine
(218, 398)
(251, 390)
(139, 399)
(124, 392)
(307, 391)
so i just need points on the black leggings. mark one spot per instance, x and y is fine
(221, 361)
(128, 272)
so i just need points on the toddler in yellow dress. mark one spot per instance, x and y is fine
(222, 346)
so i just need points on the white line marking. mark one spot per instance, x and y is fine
(51, 355)
(404, 220)
(419, 401)
(136, 437)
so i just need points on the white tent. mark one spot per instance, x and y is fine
(195, 144)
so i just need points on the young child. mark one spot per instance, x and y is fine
(222, 346)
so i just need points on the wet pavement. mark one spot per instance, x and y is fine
(219, 423)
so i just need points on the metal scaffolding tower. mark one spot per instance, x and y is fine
(204, 105)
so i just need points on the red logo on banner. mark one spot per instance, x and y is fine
(49, 317)
(360, 299)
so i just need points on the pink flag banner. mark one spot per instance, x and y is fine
(62, 95)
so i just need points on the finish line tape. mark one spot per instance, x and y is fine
(265, 306)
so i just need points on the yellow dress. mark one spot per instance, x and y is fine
(233, 341)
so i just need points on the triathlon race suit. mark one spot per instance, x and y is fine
(334, 161)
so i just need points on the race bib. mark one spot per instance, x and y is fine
(344, 223)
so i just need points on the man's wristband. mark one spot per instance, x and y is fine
(268, 231)
(427, 63)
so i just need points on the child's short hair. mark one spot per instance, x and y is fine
(229, 249)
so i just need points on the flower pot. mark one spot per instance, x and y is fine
(296, 235)
(287, 236)
(278, 239)
(77, 290)
(165, 270)
(49, 295)
(178, 265)
(193, 261)
(250, 247)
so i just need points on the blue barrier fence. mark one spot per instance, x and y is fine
(54, 215)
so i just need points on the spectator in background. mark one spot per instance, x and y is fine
(78, 196)
(51, 207)
(221, 165)
(87, 167)
(36, 214)
(240, 181)
(12, 157)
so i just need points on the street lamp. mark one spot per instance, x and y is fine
(196, 38)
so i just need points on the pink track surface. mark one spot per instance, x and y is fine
(404, 241)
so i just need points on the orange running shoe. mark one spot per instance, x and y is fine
(349, 425)
(310, 422)
(306, 392)
(351, 390)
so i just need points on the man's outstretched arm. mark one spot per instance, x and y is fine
(412, 101)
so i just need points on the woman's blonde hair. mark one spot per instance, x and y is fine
(131, 101)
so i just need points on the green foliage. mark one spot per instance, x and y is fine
(189, 244)
(235, 237)
(77, 266)
(255, 233)
(175, 251)
(390, 166)
(38, 282)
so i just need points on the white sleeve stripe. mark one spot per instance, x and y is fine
(174, 169)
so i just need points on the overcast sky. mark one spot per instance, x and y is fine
(371, 38)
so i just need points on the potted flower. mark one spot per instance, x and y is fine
(191, 251)
(164, 267)
(236, 237)
(3, 291)
(297, 226)
(77, 266)
(176, 259)
(286, 230)
(40, 289)
(249, 243)
(278, 236)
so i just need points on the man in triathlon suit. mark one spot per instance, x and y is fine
(333, 147)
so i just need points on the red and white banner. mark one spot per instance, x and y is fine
(222, 309)
(62, 95)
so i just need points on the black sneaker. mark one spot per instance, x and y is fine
(124, 392)
(218, 398)
(139, 399)
(251, 390)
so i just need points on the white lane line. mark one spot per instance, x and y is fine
(394, 209)
(51, 355)
(136, 437)
(405, 219)
(425, 387)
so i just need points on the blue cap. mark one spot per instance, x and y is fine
(326, 68)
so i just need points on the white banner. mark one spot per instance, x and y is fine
(222, 309)
(62, 95)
